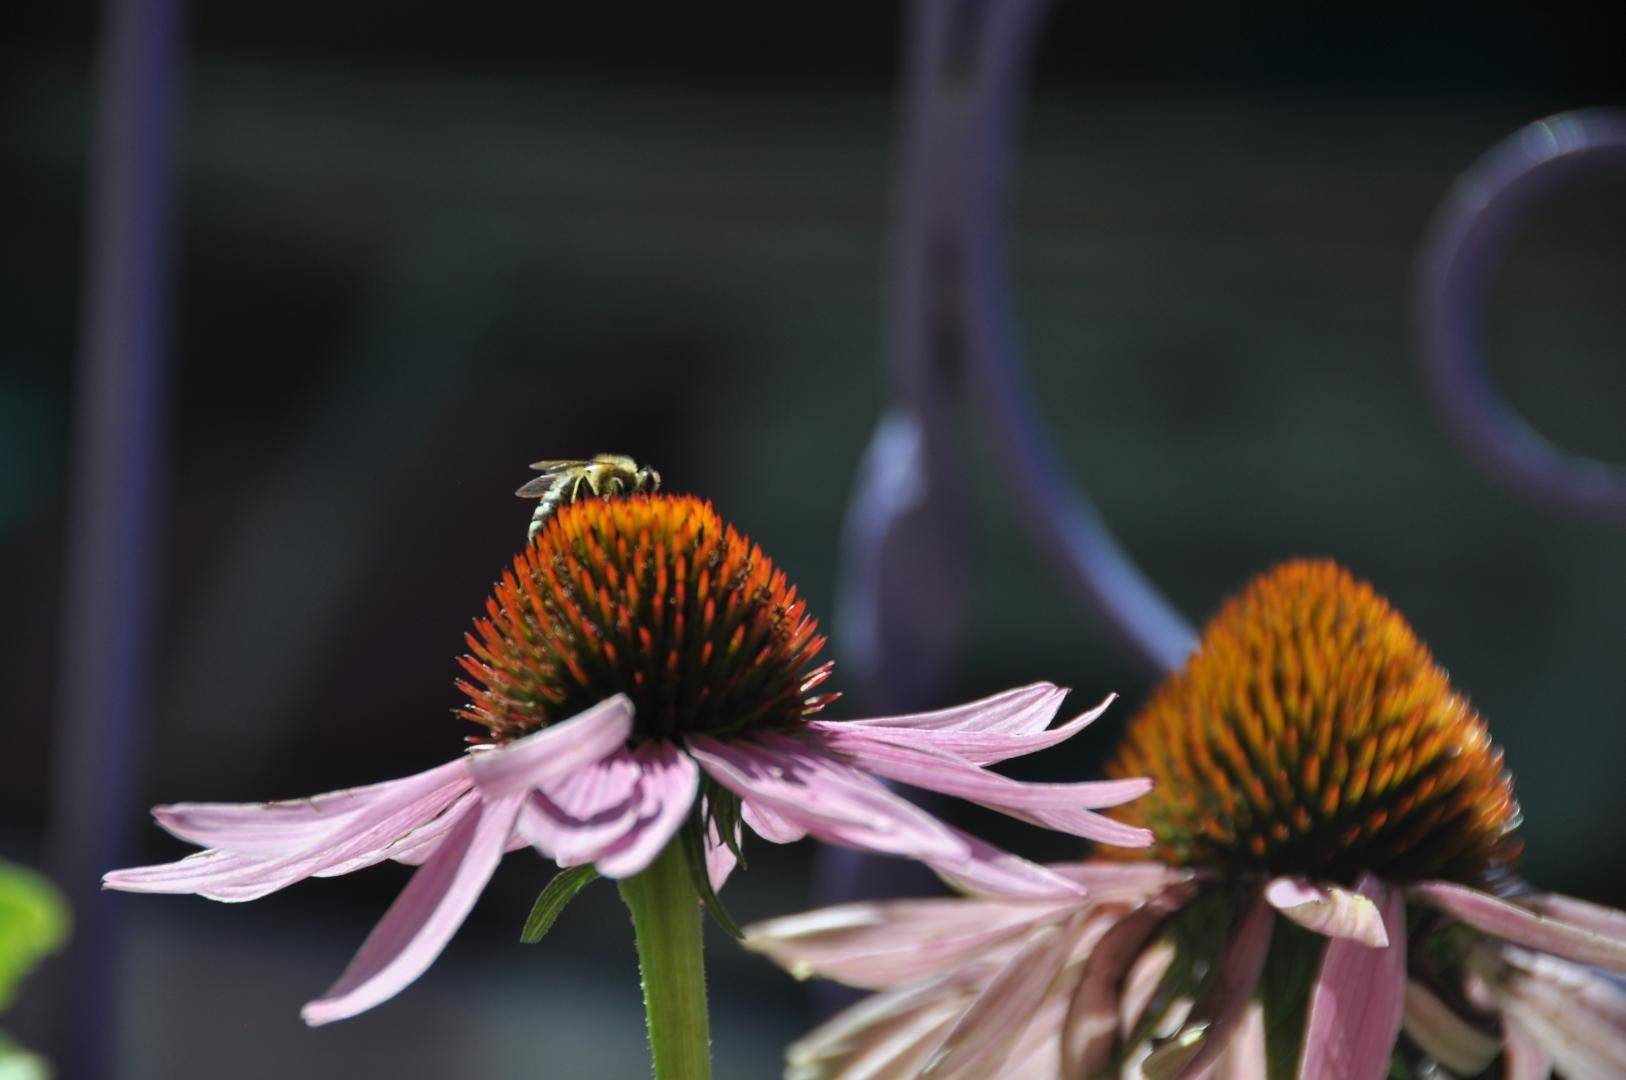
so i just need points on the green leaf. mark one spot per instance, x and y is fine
(33, 924)
(694, 853)
(559, 892)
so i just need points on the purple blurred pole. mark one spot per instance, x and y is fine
(1061, 518)
(106, 615)
(1469, 232)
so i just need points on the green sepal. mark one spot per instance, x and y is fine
(558, 892)
(693, 838)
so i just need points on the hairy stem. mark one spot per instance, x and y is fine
(666, 919)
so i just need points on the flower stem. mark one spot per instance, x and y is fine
(666, 920)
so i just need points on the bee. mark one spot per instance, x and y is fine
(603, 477)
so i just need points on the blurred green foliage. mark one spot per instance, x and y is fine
(33, 924)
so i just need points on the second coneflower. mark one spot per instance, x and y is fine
(1332, 867)
(645, 684)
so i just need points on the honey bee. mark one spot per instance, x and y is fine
(603, 477)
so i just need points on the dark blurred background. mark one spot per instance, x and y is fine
(418, 245)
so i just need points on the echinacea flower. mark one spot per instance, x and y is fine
(1330, 894)
(642, 672)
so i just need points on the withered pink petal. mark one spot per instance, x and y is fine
(719, 860)
(1245, 1055)
(986, 1032)
(424, 917)
(882, 944)
(884, 1036)
(1328, 909)
(1090, 1031)
(1522, 1055)
(1222, 1005)
(1510, 922)
(980, 746)
(1127, 882)
(556, 751)
(1455, 1042)
(1357, 999)
(1577, 1016)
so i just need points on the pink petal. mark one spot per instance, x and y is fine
(1357, 999)
(1513, 923)
(1577, 1017)
(292, 825)
(424, 917)
(1058, 806)
(1454, 1042)
(1021, 711)
(1328, 909)
(556, 751)
(1603, 921)
(985, 870)
(1122, 882)
(1220, 1009)
(1522, 1055)
(884, 1036)
(1090, 1030)
(769, 825)
(719, 860)
(984, 1035)
(357, 840)
(1244, 1056)
(667, 788)
(885, 944)
(980, 746)
(827, 797)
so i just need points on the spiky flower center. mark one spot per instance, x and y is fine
(655, 597)
(1311, 732)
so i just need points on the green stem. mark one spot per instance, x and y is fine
(666, 919)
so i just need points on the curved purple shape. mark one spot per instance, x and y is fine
(1471, 228)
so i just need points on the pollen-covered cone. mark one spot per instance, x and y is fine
(1330, 893)
(641, 669)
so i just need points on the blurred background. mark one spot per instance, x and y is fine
(415, 246)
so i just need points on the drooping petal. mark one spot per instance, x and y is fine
(1577, 1017)
(1448, 1038)
(880, 945)
(1090, 1030)
(1244, 1055)
(1511, 922)
(769, 825)
(827, 797)
(985, 870)
(424, 917)
(1125, 882)
(668, 783)
(985, 1033)
(1522, 1055)
(359, 839)
(1328, 909)
(1357, 999)
(1221, 1006)
(996, 742)
(272, 829)
(1064, 807)
(883, 1037)
(556, 751)
(720, 859)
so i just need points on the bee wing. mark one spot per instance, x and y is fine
(556, 465)
(536, 487)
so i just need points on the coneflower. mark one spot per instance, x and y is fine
(644, 680)
(1330, 893)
